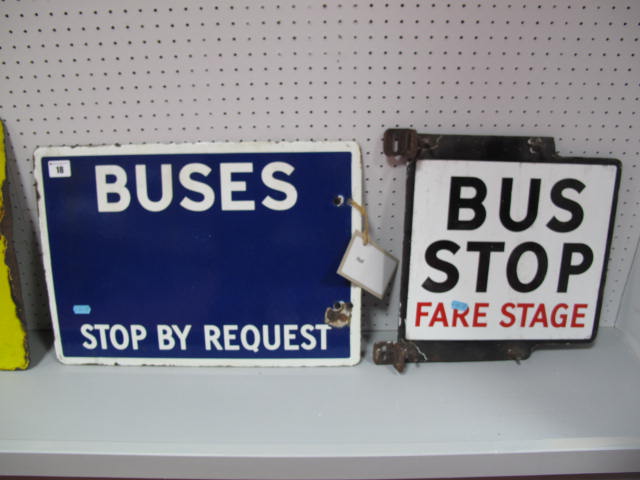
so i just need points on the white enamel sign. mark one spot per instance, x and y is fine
(508, 250)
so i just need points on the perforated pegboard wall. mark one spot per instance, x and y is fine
(88, 72)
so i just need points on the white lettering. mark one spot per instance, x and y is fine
(290, 336)
(102, 330)
(229, 337)
(290, 192)
(310, 342)
(265, 338)
(113, 336)
(166, 194)
(113, 195)
(182, 335)
(117, 336)
(323, 334)
(252, 338)
(228, 186)
(165, 337)
(138, 333)
(118, 187)
(212, 337)
(253, 346)
(91, 341)
(208, 196)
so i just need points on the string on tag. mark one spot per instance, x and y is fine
(363, 212)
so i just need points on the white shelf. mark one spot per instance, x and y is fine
(559, 412)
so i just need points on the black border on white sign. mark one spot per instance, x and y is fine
(406, 146)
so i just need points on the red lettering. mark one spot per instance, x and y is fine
(420, 312)
(562, 316)
(440, 315)
(459, 315)
(507, 313)
(478, 314)
(524, 307)
(577, 314)
(558, 317)
(540, 316)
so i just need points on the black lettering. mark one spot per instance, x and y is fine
(484, 259)
(431, 256)
(512, 267)
(567, 268)
(532, 205)
(456, 203)
(567, 204)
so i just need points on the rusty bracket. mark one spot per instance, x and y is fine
(402, 145)
(404, 351)
(396, 354)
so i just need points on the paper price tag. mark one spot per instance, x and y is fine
(368, 266)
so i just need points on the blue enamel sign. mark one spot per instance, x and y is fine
(201, 254)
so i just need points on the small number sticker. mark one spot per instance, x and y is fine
(59, 168)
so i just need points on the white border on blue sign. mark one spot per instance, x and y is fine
(203, 147)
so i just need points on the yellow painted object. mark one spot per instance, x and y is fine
(14, 353)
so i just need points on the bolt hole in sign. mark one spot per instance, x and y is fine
(508, 248)
(200, 254)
